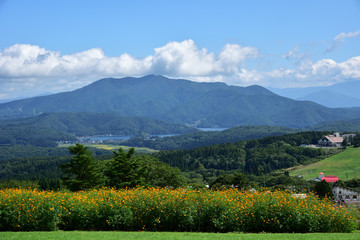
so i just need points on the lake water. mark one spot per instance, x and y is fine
(123, 138)
(212, 129)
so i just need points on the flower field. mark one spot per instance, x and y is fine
(171, 210)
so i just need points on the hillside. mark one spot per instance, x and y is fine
(46, 128)
(346, 162)
(352, 125)
(201, 138)
(257, 157)
(181, 101)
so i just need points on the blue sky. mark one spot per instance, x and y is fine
(52, 46)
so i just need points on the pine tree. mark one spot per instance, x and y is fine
(124, 170)
(81, 172)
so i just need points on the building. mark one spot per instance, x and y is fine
(327, 178)
(342, 194)
(334, 140)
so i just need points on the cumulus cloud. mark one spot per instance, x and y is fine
(27, 70)
(322, 72)
(22, 62)
(340, 38)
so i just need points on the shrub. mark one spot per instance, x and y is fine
(156, 209)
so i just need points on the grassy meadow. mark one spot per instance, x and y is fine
(346, 165)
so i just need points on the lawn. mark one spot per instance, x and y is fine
(79, 235)
(346, 165)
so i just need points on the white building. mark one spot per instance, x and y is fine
(345, 194)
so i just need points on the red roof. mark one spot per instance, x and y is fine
(330, 178)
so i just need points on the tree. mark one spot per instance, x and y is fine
(344, 143)
(159, 174)
(81, 172)
(323, 189)
(356, 140)
(237, 180)
(124, 170)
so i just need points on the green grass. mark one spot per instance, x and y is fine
(346, 165)
(77, 235)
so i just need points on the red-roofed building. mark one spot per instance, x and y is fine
(330, 178)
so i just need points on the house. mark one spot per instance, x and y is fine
(334, 140)
(330, 178)
(342, 194)
(327, 178)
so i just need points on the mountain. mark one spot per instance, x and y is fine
(338, 95)
(181, 101)
(45, 129)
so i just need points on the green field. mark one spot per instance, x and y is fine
(115, 147)
(346, 165)
(77, 235)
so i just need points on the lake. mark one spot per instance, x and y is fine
(123, 138)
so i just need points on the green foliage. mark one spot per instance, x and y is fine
(323, 190)
(171, 210)
(236, 180)
(124, 170)
(48, 128)
(82, 171)
(10, 152)
(254, 156)
(350, 125)
(204, 138)
(356, 140)
(129, 170)
(159, 174)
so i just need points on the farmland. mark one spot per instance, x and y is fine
(346, 165)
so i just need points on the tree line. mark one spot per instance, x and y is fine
(125, 169)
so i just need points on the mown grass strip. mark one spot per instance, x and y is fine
(80, 235)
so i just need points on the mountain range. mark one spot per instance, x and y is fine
(181, 101)
(344, 94)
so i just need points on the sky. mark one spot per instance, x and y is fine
(54, 46)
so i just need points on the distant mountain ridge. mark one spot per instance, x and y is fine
(181, 101)
(344, 94)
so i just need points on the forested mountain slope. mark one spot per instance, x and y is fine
(181, 101)
(204, 138)
(45, 129)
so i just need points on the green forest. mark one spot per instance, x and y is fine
(255, 162)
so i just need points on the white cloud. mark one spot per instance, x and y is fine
(322, 72)
(29, 70)
(292, 53)
(340, 38)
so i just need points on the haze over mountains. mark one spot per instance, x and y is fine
(338, 95)
(181, 101)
